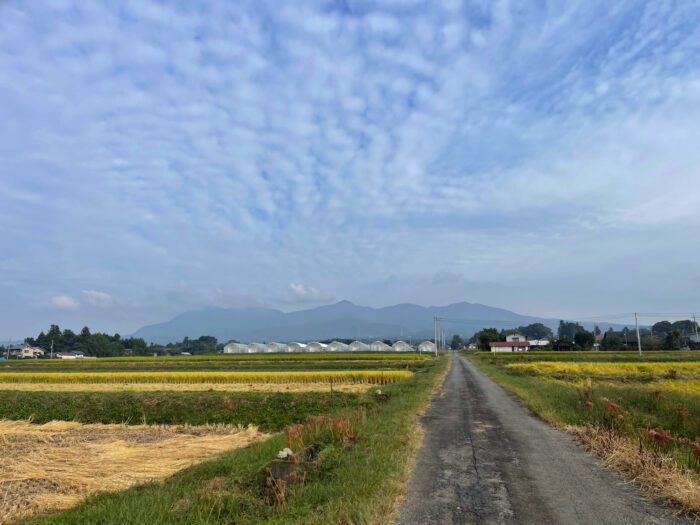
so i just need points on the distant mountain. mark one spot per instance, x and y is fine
(340, 320)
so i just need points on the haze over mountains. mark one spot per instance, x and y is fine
(340, 320)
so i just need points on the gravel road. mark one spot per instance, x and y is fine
(486, 460)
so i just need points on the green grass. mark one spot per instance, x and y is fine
(358, 484)
(612, 357)
(270, 411)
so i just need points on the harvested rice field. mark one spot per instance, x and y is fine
(184, 387)
(55, 465)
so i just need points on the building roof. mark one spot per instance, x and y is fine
(509, 343)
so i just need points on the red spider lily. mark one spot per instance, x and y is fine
(588, 404)
(605, 400)
(612, 407)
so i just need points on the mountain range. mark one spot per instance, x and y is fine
(339, 320)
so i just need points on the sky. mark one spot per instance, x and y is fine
(158, 157)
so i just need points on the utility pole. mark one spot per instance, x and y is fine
(695, 327)
(639, 341)
(435, 334)
(51, 348)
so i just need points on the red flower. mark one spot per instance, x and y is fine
(589, 404)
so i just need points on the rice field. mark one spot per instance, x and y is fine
(631, 371)
(185, 387)
(55, 465)
(367, 377)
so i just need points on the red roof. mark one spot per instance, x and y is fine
(510, 343)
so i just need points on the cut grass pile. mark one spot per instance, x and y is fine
(269, 411)
(379, 377)
(55, 465)
(358, 481)
(617, 399)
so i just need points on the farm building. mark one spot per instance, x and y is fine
(357, 346)
(297, 347)
(509, 346)
(337, 346)
(402, 346)
(427, 347)
(317, 347)
(276, 348)
(236, 348)
(378, 346)
(256, 348)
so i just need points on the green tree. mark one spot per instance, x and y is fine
(457, 342)
(536, 331)
(672, 341)
(584, 339)
(486, 336)
(596, 330)
(568, 330)
(611, 342)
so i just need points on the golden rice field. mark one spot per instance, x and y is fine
(369, 377)
(683, 370)
(184, 387)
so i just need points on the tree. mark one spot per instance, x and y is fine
(568, 330)
(596, 330)
(536, 331)
(672, 341)
(611, 342)
(457, 342)
(662, 327)
(486, 336)
(584, 339)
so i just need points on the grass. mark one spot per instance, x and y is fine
(379, 377)
(359, 482)
(269, 411)
(593, 356)
(615, 398)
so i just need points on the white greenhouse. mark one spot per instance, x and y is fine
(317, 347)
(236, 348)
(337, 346)
(297, 347)
(378, 346)
(427, 347)
(276, 348)
(402, 346)
(256, 348)
(357, 346)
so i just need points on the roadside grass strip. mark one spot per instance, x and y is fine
(55, 465)
(372, 377)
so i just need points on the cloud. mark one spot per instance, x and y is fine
(302, 293)
(65, 302)
(95, 298)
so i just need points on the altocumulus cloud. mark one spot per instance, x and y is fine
(236, 147)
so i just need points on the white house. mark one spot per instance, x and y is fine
(378, 346)
(337, 346)
(510, 346)
(426, 347)
(538, 342)
(357, 346)
(316, 347)
(402, 346)
(30, 352)
(297, 347)
(515, 338)
(236, 348)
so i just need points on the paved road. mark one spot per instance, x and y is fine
(485, 460)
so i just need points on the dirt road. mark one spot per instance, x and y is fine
(485, 460)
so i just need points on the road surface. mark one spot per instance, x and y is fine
(486, 460)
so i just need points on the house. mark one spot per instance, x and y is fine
(509, 346)
(427, 347)
(357, 346)
(402, 346)
(563, 345)
(25, 352)
(628, 337)
(70, 355)
(515, 338)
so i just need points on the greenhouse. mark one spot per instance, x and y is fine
(236, 348)
(378, 346)
(276, 347)
(297, 347)
(256, 348)
(317, 347)
(402, 346)
(357, 346)
(337, 346)
(427, 347)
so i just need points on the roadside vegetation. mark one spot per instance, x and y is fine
(357, 456)
(641, 417)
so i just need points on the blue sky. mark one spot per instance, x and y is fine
(157, 157)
